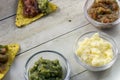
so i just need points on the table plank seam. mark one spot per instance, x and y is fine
(7, 17)
(78, 74)
(54, 38)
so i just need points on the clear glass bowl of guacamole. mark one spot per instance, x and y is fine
(47, 65)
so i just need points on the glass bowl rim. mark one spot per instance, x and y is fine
(77, 58)
(50, 51)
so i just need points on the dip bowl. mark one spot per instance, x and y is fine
(97, 24)
(103, 36)
(50, 55)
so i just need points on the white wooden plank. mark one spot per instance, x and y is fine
(7, 8)
(43, 29)
(111, 74)
(62, 44)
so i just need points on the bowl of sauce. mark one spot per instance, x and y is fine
(102, 13)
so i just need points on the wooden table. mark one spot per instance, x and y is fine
(57, 31)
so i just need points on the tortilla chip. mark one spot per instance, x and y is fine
(12, 51)
(22, 21)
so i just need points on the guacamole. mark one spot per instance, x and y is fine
(45, 69)
(43, 6)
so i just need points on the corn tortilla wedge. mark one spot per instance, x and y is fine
(22, 21)
(12, 50)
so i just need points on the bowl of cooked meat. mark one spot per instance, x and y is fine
(102, 13)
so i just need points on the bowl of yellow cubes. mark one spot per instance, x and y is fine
(96, 51)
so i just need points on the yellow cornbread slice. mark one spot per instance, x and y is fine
(12, 51)
(22, 21)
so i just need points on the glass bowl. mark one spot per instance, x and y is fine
(103, 36)
(51, 55)
(96, 23)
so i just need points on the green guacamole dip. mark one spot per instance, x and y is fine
(45, 69)
(43, 6)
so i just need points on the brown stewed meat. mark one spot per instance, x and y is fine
(105, 11)
(30, 8)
